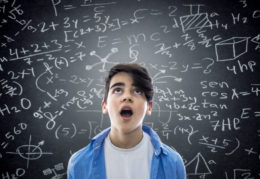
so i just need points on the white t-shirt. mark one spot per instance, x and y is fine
(133, 163)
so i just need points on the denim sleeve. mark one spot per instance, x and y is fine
(181, 172)
(69, 176)
(70, 170)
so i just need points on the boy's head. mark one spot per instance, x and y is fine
(140, 76)
(128, 97)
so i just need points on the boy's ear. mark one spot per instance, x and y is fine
(104, 107)
(149, 109)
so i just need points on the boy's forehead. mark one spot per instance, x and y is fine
(121, 78)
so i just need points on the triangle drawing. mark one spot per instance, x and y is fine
(198, 166)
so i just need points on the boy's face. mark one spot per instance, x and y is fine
(126, 105)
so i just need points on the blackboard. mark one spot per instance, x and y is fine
(203, 57)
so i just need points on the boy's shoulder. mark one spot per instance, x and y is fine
(173, 161)
(81, 155)
(80, 163)
(86, 153)
(168, 152)
(172, 153)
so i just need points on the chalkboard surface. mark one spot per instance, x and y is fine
(203, 57)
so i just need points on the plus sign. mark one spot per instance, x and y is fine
(53, 25)
(23, 73)
(24, 51)
(45, 45)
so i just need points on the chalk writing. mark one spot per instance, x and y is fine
(203, 58)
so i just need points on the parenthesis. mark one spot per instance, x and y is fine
(238, 145)
(192, 132)
(67, 63)
(75, 129)
(190, 135)
(36, 81)
(175, 129)
(105, 27)
(20, 86)
(56, 132)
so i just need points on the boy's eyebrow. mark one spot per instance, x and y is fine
(117, 84)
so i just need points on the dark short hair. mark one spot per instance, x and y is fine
(140, 75)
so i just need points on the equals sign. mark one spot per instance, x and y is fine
(257, 113)
(68, 7)
(244, 93)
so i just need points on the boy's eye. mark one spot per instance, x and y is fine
(117, 90)
(139, 92)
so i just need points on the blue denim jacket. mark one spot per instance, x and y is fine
(89, 162)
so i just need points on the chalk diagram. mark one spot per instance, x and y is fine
(195, 20)
(103, 60)
(198, 167)
(30, 152)
(231, 49)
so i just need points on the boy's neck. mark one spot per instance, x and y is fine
(126, 140)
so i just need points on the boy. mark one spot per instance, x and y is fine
(128, 149)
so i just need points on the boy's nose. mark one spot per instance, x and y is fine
(127, 98)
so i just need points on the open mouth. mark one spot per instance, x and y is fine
(126, 112)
